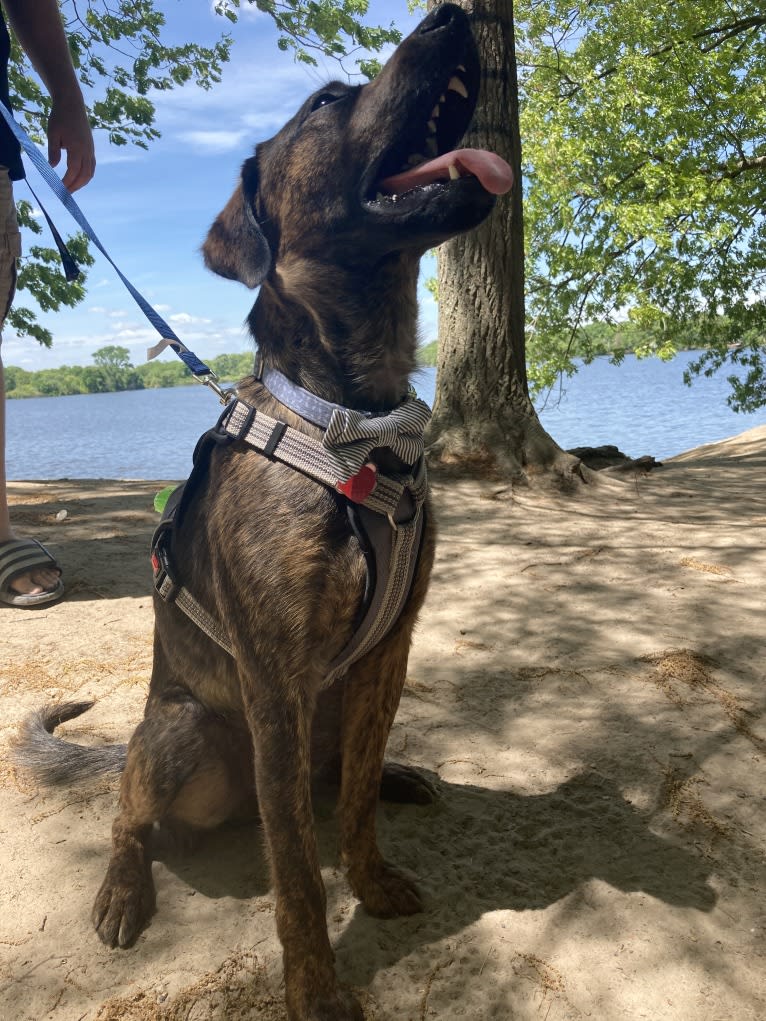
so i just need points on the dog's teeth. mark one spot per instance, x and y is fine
(436, 111)
(432, 146)
(432, 127)
(455, 85)
(454, 173)
(461, 67)
(443, 97)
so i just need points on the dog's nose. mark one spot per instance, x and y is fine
(440, 17)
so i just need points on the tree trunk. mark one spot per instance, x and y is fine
(483, 417)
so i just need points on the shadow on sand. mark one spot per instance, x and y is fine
(475, 851)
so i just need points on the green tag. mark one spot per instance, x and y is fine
(162, 498)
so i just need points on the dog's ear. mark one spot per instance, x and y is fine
(235, 246)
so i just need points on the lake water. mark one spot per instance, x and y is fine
(641, 406)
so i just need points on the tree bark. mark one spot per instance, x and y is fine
(483, 416)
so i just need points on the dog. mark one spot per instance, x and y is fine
(329, 220)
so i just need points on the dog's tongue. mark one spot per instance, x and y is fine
(492, 171)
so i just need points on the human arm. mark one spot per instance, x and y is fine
(37, 26)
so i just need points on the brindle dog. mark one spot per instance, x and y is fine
(270, 551)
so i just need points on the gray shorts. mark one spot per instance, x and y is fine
(10, 245)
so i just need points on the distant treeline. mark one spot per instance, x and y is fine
(113, 371)
(427, 353)
(591, 341)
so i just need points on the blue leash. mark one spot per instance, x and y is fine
(169, 338)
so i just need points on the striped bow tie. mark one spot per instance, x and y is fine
(351, 435)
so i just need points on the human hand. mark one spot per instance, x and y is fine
(68, 129)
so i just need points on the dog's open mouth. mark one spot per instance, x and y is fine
(424, 162)
(493, 172)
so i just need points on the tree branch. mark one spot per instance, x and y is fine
(725, 31)
(742, 166)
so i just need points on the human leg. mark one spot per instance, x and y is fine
(38, 580)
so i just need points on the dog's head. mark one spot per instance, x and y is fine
(367, 169)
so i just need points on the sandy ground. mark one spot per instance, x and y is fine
(587, 687)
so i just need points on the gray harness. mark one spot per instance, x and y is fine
(385, 510)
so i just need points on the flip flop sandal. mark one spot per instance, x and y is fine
(19, 556)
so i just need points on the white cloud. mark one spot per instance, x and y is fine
(261, 88)
(184, 319)
(135, 333)
(109, 155)
(213, 141)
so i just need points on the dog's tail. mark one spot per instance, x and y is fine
(51, 761)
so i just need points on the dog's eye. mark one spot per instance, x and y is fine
(324, 99)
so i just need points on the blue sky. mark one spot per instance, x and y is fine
(151, 208)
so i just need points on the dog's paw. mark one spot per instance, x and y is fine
(386, 891)
(406, 786)
(122, 908)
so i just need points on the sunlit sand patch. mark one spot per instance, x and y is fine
(685, 678)
(698, 565)
(680, 796)
(234, 992)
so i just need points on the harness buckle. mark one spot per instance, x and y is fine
(234, 431)
(406, 511)
(164, 584)
(166, 588)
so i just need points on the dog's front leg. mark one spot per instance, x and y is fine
(372, 692)
(280, 721)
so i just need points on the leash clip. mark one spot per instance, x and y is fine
(211, 380)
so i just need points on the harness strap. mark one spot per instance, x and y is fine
(166, 579)
(396, 555)
(391, 516)
(391, 519)
(195, 611)
(280, 441)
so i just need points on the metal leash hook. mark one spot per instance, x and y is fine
(211, 381)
